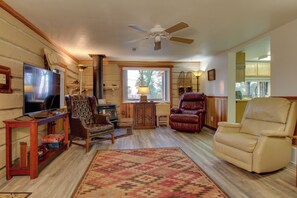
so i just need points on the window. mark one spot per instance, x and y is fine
(254, 87)
(157, 79)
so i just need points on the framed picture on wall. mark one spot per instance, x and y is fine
(211, 74)
(5, 79)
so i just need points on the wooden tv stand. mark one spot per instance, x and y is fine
(34, 164)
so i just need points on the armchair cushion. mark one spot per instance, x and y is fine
(192, 112)
(269, 114)
(254, 127)
(191, 105)
(98, 128)
(265, 110)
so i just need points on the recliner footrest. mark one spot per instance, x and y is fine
(184, 118)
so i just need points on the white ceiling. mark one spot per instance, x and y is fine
(85, 27)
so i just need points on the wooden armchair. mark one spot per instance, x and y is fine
(85, 123)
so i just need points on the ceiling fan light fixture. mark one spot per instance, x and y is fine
(157, 39)
(157, 28)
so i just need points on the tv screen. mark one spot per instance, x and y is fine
(41, 89)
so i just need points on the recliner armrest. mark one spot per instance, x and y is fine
(175, 110)
(229, 124)
(225, 127)
(271, 133)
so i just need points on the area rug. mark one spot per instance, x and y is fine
(14, 194)
(118, 133)
(141, 173)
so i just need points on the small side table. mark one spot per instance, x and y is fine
(35, 165)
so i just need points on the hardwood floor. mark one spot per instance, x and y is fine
(60, 178)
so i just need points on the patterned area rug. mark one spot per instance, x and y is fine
(141, 173)
(14, 194)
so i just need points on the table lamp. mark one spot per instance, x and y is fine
(143, 90)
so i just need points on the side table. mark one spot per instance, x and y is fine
(34, 163)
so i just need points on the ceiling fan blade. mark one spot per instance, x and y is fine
(176, 27)
(138, 28)
(182, 40)
(157, 46)
(135, 40)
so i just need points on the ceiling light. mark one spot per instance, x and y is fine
(157, 39)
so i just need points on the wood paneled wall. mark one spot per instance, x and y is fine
(111, 76)
(19, 44)
(216, 110)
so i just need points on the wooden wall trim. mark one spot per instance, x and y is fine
(148, 62)
(287, 97)
(147, 66)
(121, 84)
(137, 63)
(170, 85)
(30, 25)
(217, 96)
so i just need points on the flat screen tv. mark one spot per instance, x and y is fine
(41, 90)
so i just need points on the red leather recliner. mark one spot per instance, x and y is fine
(189, 116)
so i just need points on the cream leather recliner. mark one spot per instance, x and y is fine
(262, 141)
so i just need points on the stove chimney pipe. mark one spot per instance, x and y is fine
(98, 75)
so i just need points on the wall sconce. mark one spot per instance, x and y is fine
(81, 68)
(143, 90)
(197, 74)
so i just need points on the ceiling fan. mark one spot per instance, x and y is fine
(157, 33)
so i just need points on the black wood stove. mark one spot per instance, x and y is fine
(110, 110)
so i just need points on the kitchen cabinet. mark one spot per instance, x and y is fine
(257, 69)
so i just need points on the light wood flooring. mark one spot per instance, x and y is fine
(59, 179)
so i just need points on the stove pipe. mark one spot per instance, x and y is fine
(98, 75)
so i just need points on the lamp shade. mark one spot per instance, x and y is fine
(81, 67)
(198, 73)
(143, 90)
